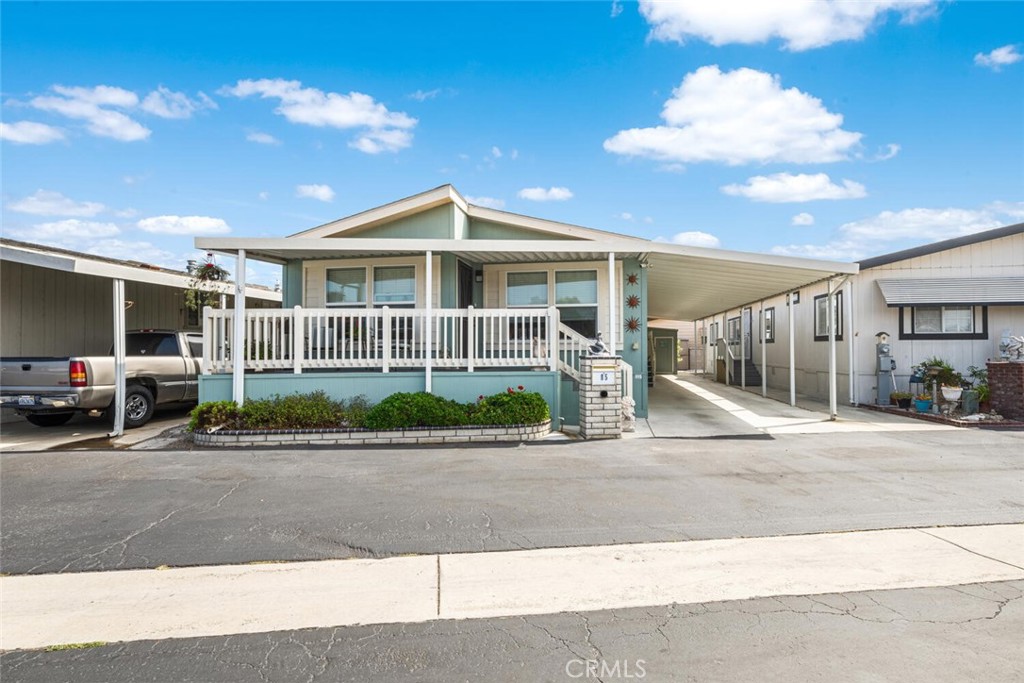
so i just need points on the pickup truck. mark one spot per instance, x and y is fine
(161, 366)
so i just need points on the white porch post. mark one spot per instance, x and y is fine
(792, 350)
(612, 300)
(830, 316)
(470, 338)
(764, 352)
(238, 338)
(119, 353)
(851, 344)
(743, 351)
(427, 345)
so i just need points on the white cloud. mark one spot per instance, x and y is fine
(695, 238)
(625, 215)
(133, 179)
(800, 24)
(424, 95)
(264, 196)
(891, 229)
(786, 187)
(322, 192)
(739, 117)
(514, 154)
(126, 213)
(803, 219)
(891, 150)
(488, 202)
(999, 57)
(648, 220)
(496, 152)
(92, 105)
(50, 203)
(30, 133)
(377, 141)
(262, 138)
(168, 104)
(71, 229)
(551, 194)
(616, 8)
(386, 130)
(184, 225)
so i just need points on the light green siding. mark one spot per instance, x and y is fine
(376, 386)
(486, 230)
(291, 284)
(436, 223)
(637, 358)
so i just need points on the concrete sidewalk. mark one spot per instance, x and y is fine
(45, 610)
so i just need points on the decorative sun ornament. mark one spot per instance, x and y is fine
(633, 324)
(632, 301)
(632, 278)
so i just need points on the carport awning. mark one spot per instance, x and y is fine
(970, 291)
(683, 283)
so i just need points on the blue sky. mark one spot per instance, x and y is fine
(824, 129)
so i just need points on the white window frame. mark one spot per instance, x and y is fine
(394, 304)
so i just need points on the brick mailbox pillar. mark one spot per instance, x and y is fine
(601, 397)
(1006, 389)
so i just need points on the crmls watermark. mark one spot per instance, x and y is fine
(604, 669)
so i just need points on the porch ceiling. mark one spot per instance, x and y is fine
(684, 283)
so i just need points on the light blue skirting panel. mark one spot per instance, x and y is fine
(376, 386)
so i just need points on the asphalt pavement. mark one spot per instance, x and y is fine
(82, 511)
(938, 635)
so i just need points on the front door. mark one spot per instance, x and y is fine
(664, 355)
(464, 296)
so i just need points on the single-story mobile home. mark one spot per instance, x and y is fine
(957, 299)
(433, 293)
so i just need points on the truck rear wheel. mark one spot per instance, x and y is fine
(49, 419)
(138, 406)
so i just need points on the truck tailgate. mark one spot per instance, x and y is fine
(40, 373)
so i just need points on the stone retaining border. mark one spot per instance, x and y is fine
(365, 437)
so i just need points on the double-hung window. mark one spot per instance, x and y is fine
(346, 287)
(394, 286)
(768, 322)
(821, 316)
(576, 299)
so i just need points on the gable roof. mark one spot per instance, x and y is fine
(935, 247)
(447, 194)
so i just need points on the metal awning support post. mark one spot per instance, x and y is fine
(238, 337)
(743, 352)
(612, 300)
(792, 350)
(764, 352)
(428, 324)
(833, 287)
(851, 346)
(830, 316)
(119, 353)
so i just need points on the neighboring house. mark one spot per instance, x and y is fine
(954, 299)
(55, 302)
(433, 293)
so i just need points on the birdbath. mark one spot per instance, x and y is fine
(933, 372)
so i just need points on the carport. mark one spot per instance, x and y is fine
(691, 283)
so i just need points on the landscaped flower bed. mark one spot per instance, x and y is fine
(513, 415)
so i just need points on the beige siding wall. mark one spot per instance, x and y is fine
(1002, 257)
(314, 293)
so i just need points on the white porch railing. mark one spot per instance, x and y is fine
(381, 339)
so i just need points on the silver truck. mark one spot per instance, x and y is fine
(161, 366)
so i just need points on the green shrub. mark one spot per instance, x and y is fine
(421, 409)
(355, 412)
(296, 411)
(510, 407)
(214, 414)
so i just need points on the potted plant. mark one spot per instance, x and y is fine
(901, 398)
(923, 403)
(984, 398)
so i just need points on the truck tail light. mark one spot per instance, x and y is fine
(78, 378)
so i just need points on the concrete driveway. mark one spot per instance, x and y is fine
(82, 431)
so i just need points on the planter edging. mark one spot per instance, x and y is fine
(366, 437)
